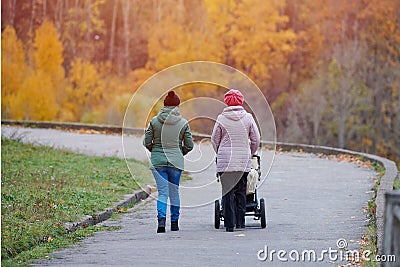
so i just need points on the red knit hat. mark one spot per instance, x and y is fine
(172, 99)
(233, 98)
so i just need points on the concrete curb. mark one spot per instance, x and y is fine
(128, 200)
(107, 129)
(73, 126)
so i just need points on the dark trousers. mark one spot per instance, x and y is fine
(234, 197)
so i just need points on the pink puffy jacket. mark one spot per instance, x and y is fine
(230, 138)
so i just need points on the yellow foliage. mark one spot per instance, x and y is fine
(79, 25)
(136, 78)
(262, 44)
(13, 68)
(253, 35)
(84, 91)
(36, 100)
(366, 142)
(174, 40)
(48, 55)
(137, 113)
(31, 94)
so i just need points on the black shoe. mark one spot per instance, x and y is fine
(160, 230)
(174, 226)
(240, 226)
(229, 229)
(161, 225)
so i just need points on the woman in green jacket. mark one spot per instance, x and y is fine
(168, 138)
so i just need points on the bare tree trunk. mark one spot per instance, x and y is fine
(33, 14)
(112, 38)
(44, 9)
(355, 96)
(11, 8)
(89, 21)
(157, 10)
(65, 13)
(74, 48)
(58, 15)
(342, 126)
(88, 46)
(181, 11)
(126, 10)
(135, 33)
(67, 5)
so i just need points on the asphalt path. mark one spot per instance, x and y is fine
(314, 207)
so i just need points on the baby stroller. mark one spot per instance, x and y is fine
(254, 207)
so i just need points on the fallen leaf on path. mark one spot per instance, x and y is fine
(240, 235)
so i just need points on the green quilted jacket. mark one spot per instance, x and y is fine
(168, 138)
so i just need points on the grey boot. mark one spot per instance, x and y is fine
(161, 225)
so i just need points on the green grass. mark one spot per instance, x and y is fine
(396, 184)
(42, 188)
(370, 236)
(42, 250)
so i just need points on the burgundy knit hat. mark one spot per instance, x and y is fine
(172, 99)
(233, 98)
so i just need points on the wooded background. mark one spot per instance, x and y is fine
(329, 68)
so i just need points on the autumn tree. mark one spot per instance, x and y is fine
(13, 72)
(84, 90)
(347, 89)
(32, 92)
(307, 112)
(48, 53)
(37, 99)
(41, 90)
(305, 20)
(255, 36)
(177, 37)
(379, 25)
(83, 30)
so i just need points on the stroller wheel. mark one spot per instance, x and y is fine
(217, 219)
(262, 214)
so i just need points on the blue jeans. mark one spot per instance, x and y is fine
(167, 180)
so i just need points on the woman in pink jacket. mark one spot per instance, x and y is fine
(235, 139)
